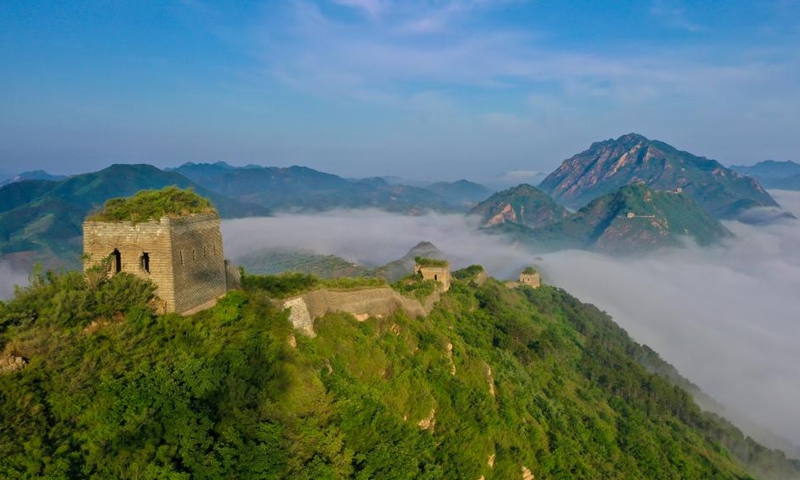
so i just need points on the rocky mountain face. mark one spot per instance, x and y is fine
(773, 174)
(611, 164)
(632, 219)
(523, 205)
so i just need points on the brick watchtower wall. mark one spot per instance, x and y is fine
(439, 274)
(182, 256)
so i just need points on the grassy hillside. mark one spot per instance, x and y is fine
(493, 381)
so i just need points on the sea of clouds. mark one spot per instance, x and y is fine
(727, 317)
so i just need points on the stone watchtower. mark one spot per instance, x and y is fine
(433, 269)
(529, 276)
(178, 248)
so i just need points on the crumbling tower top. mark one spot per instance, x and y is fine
(171, 237)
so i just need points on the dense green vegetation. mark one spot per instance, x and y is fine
(528, 270)
(414, 286)
(153, 205)
(430, 262)
(292, 283)
(492, 380)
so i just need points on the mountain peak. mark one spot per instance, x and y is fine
(609, 165)
(523, 205)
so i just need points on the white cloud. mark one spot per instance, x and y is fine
(9, 277)
(674, 16)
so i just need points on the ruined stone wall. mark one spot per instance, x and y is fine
(186, 261)
(198, 260)
(363, 303)
(100, 239)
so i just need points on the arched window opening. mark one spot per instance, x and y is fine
(145, 262)
(436, 277)
(116, 261)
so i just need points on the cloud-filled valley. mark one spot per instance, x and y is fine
(726, 317)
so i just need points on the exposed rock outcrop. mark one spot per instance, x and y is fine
(12, 364)
(429, 422)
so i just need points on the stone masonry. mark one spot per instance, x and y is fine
(438, 274)
(182, 256)
(532, 279)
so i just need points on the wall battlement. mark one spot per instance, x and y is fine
(182, 256)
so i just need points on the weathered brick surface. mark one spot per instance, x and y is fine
(439, 274)
(366, 302)
(532, 279)
(186, 261)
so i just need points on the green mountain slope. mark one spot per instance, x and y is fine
(633, 219)
(523, 205)
(611, 164)
(43, 219)
(305, 189)
(494, 382)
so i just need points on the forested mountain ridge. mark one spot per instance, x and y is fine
(299, 189)
(492, 382)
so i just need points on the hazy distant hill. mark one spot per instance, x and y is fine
(772, 174)
(611, 164)
(32, 175)
(461, 192)
(305, 189)
(524, 205)
(633, 219)
(45, 217)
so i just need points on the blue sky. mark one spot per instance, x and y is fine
(429, 89)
